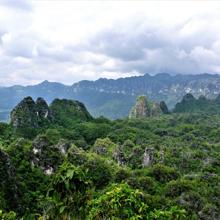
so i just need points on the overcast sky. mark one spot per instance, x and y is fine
(68, 41)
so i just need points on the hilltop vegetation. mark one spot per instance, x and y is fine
(201, 105)
(73, 166)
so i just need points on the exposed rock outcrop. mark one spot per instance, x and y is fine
(155, 109)
(119, 156)
(63, 146)
(46, 156)
(145, 108)
(141, 108)
(148, 157)
(43, 110)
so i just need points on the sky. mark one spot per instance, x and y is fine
(68, 41)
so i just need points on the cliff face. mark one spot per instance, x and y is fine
(42, 149)
(141, 108)
(144, 108)
(42, 109)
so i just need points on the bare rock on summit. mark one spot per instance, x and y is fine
(141, 108)
(144, 108)
(43, 110)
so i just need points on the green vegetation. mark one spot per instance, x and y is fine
(165, 167)
(190, 104)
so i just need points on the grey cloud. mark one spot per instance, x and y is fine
(19, 46)
(125, 48)
(162, 50)
(58, 54)
(28, 45)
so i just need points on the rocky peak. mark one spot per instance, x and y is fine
(155, 109)
(145, 108)
(141, 108)
(42, 108)
(190, 104)
(24, 114)
(188, 97)
(28, 101)
(64, 110)
(29, 113)
(163, 107)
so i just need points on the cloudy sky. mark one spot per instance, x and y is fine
(67, 41)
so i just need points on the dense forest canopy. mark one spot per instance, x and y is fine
(58, 162)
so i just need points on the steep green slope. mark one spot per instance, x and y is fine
(65, 111)
(29, 116)
(200, 105)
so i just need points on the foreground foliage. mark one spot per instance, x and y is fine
(164, 167)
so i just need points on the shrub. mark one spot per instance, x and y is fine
(104, 146)
(122, 175)
(176, 187)
(68, 193)
(136, 158)
(191, 201)
(144, 183)
(98, 170)
(119, 201)
(174, 213)
(52, 135)
(209, 212)
(163, 173)
(7, 215)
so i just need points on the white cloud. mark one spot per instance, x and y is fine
(68, 41)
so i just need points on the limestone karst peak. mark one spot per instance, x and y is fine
(145, 108)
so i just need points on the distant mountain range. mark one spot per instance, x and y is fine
(114, 98)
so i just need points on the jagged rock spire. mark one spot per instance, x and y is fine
(144, 108)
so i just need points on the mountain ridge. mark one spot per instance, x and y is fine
(113, 98)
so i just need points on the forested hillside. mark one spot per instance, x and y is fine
(203, 105)
(58, 162)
